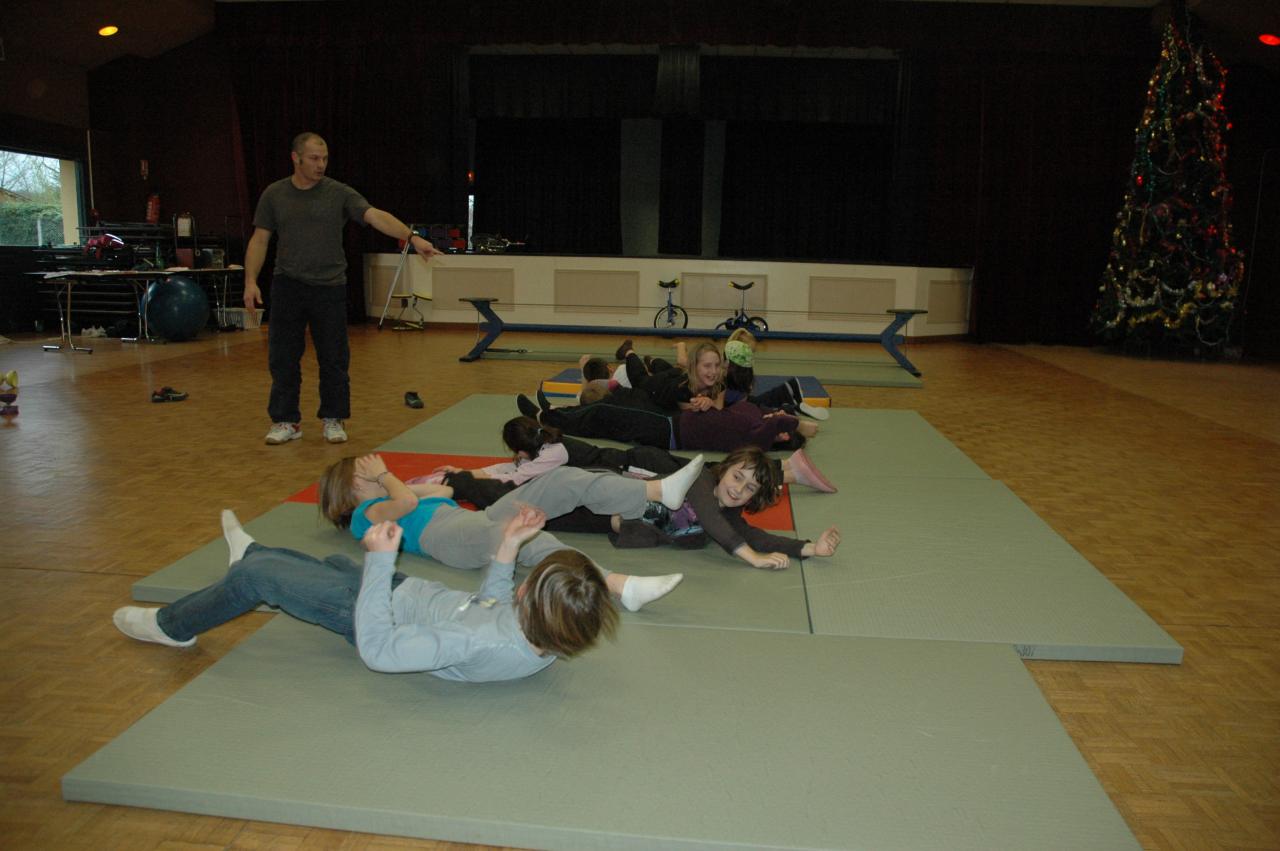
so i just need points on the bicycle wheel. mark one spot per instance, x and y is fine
(756, 323)
(671, 317)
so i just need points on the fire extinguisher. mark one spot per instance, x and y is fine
(153, 208)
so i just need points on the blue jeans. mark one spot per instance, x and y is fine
(315, 591)
(295, 307)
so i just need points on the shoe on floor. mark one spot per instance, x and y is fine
(334, 432)
(283, 433)
(413, 400)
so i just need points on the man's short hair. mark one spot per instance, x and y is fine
(300, 141)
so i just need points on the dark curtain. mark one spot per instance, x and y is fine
(817, 191)
(540, 86)
(680, 187)
(551, 182)
(1055, 147)
(839, 91)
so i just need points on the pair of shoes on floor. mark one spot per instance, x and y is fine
(797, 398)
(413, 400)
(168, 394)
(626, 346)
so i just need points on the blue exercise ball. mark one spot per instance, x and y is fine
(176, 308)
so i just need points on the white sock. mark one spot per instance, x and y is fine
(238, 540)
(620, 375)
(813, 411)
(639, 590)
(137, 622)
(676, 485)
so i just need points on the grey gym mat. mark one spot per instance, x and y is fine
(669, 738)
(866, 369)
(960, 559)
(716, 591)
(857, 444)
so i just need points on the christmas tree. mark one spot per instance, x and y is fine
(1173, 276)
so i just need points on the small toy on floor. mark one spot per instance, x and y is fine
(413, 400)
(9, 393)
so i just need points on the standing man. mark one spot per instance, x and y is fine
(308, 289)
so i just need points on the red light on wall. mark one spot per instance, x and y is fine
(1269, 39)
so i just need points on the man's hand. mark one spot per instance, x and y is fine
(383, 538)
(424, 247)
(252, 296)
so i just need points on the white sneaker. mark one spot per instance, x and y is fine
(334, 432)
(283, 433)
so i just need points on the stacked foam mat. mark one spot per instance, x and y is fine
(875, 699)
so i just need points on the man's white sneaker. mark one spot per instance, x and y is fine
(334, 432)
(283, 433)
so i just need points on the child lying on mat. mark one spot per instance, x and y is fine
(537, 449)
(400, 624)
(746, 479)
(357, 493)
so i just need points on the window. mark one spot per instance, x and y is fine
(39, 200)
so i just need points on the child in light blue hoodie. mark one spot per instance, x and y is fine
(402, 624)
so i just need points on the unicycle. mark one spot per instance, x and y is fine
(671, 315)
(740, 319)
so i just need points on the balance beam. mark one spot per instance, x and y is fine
(491, 323)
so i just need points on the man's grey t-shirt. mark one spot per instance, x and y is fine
(308, 225)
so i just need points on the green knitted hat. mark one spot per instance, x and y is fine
(739, 352)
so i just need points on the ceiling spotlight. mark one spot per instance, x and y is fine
(109, 30)
(1269, 39)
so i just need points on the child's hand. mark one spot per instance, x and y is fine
(771, 561)
(807, 428)
(827, 543)
(383, 538)
(700, 403)
(527, 522)
(447, 468)
(369, 467)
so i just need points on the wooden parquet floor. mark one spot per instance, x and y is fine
(1165, 475)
